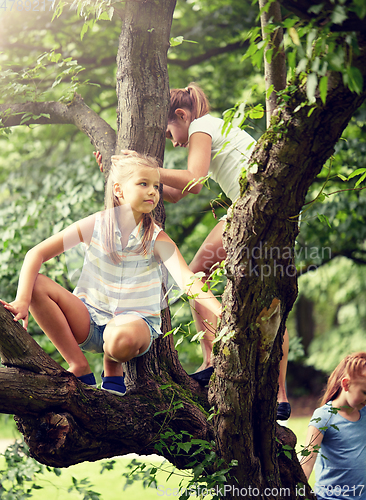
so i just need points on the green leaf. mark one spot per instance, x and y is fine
(358, 171)
(323, 88)
(316, 8)
(294, 36)
(176, 41)
(179, 341)
(336, 59)
(355, 81)
(84, 29)
(311, 84)
(185, 446)
(257, 112)
(323, 218)
(269, 55)
(269, 91)
(360, 180)
(104, 16)
(339, 14)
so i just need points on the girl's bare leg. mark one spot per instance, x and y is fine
(64, 319)
(211, 252)
(282, 396)
(125, 337)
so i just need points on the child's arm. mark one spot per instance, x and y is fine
(167, 251)
(173, 195)
(36, 256)
(314, 438)
(199, 159)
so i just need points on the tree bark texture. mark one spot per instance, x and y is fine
(259, 238)
(275, 69)
(142, 76)
(65, 421)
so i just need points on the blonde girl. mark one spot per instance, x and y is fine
(116, 306)
(336, 435)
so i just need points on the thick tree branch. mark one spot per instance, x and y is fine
(215, 51)
(275, 70)
(66, 422)
(77, 113)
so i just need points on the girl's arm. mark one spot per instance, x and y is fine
(167, 251)
(199, 159)
(314, 438)
(173, 195)
(36, 256)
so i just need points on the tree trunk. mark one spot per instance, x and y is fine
(142, 76)
(262, 284)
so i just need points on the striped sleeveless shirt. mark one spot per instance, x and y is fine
(133, 285)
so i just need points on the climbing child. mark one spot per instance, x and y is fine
(223, 156)
(336, 434)
(116, 305)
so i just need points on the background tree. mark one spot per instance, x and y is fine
(243, 391)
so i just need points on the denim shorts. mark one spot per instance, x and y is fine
(94, 341)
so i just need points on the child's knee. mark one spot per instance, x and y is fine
(120, 346)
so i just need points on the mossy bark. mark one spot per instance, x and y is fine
(262, 282)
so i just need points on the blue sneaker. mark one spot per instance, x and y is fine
(114, 385)
(283, 411)
(203, 377)
(88, 379)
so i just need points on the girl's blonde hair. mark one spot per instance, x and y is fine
(122, 168)
(191, 98)
(352, 366)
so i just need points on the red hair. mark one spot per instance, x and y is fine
(352, 366)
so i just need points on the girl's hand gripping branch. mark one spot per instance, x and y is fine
(19, 309)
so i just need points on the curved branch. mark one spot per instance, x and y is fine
(274, 71)
(215, 51)
(77, 113)
(66, 422)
